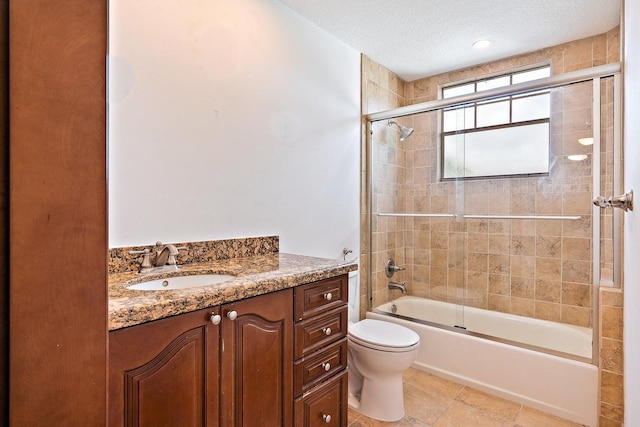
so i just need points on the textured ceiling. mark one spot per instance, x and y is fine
(419, 38)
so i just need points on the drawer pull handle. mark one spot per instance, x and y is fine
(326, 366)
(232, 315)
(216, 319)
(328, 296)
(327, 331)
(326, 418)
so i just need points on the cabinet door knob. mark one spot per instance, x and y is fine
(232, 315)
(327, 331)
(326, 366)
(328, 296)
(326, 418)
(216, 319)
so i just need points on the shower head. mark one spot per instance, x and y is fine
(405, 132)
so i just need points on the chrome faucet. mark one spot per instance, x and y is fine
(165, 255)
(395, 285)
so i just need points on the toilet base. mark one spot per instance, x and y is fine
(388, 390)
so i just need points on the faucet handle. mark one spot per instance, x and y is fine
(172, 256)
(146, 262)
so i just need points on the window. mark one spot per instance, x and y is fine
(504, 136)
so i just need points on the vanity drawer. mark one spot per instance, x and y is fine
(324, 406)
(313, 369)
(312, 334)
(315, 298)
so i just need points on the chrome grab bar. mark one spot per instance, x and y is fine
(560, 217)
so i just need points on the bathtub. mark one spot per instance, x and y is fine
(562, 386)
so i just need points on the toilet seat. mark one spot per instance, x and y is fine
(383, 336)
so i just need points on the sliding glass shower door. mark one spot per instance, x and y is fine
(488, 205)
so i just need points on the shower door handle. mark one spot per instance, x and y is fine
(624, 202)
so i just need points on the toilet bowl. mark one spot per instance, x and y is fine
(378, 354)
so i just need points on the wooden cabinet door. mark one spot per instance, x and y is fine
(257, 361)
(165, 373)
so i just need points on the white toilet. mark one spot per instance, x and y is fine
(378, 354)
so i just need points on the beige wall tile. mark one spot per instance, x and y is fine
(612, 323)
(499, 243)
(478, 261)
(548, 311)
(608, 422)
(576, 248)
(576, 271)
(576, 204)
(522, 306)
(612, 412)
(499, 264)
(522, 287)
(523, 266)
(548, 290)
(499, 284)
(612, 388)
(578, 228)
(576, 294)
(611, 358)
(499, 303)
(548, 246)
(549, 228)
(579, 316)
(549, 268)
(523, 245)
(478, 242)
(612, 297)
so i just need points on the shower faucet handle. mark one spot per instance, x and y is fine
(391, 267)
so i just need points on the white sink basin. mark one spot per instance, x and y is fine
(181, 282)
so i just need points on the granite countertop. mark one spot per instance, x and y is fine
(255, 275)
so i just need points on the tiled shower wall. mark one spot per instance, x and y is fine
(381, 90)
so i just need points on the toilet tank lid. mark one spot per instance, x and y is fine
(383, 333)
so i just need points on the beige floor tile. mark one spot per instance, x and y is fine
(500, 408)
(459, 414)
(432, 384)
(424, 405)
(407, 421)
(431, 401)
(532, 418)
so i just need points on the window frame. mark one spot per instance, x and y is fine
(510, 124)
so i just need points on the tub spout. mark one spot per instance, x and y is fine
(395, 285)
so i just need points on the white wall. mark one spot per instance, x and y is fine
(632, 219)
(231, 118)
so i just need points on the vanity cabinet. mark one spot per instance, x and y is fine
(197, 369)
(164, 372)
(320, 375)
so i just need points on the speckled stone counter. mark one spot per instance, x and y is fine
(254, 275)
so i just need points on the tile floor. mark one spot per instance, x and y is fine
(432, 401)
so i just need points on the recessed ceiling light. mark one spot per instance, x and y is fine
(481, 44)
(577, 157)
(586, 141)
